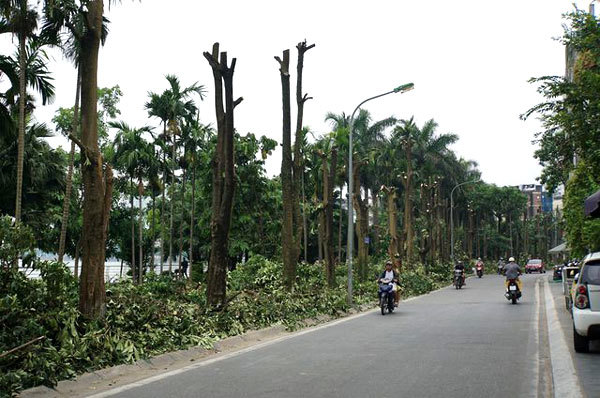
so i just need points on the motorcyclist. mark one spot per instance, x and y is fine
(479, 263)
(390, 276)
(500, 265)
(512, 271)
(460, 266)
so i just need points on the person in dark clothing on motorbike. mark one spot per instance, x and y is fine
(389, 275)
(460, 266)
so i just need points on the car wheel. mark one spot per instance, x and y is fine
(580, 343)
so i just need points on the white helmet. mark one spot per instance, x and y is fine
(512, 259)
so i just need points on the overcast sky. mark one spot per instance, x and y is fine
(469, 61)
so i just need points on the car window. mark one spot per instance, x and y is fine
(591, 273)
(535, 261)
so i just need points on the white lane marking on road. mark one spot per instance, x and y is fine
(564, 376)
(218, 358)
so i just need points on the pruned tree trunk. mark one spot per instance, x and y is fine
(375, 212)
(97, 183)
(69, 182)
(392, 214)
(223, 176)
(362, 224)
(304, 222)
(291, 168)
(326, 214)
(288, 241)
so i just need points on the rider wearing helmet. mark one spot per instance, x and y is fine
(512, 271)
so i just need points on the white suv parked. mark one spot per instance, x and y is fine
(586, 303)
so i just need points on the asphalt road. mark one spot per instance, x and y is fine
(451, 343)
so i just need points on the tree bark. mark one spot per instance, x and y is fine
(408, 227)
(288, 241)
(392, 214)
(97, 183)
(326, 215)
(162, 210)
(141, 231)
(22, 98)
(340, 222)
(133, 267)
(362, 224)
(191, 246)
(223, 176)
(181, 223)
(173, 128)
(375, 225)
(153, 229)
(69, 182)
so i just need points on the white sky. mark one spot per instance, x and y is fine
(470, 62)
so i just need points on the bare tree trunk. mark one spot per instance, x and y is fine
(69, 182)
(133, 267)
(362, 224)
(223, 176)
(340, 221)
(162, 210)
(191, 248)
(298, 165)
(141, 231)
(304, 222)
(76, 260)
(375, 211)
(181, 223)
(392, 214)
(153, 229)
(287, 234)
(97, 183)
(22, 98)
(326, 215)
(408, 227)
(173, 128)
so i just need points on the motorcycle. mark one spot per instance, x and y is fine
(500, 269)
(459, 278)
(512, 291)
(479, 268)
(386, 297)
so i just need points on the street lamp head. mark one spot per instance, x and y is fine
(404, 88)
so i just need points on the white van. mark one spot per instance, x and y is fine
(586, 303)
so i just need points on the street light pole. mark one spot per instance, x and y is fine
(400, 89)
(452, 216)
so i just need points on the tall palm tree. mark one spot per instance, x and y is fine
(157, 106)
(134, 155)
(22, 23)
(179, 106)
